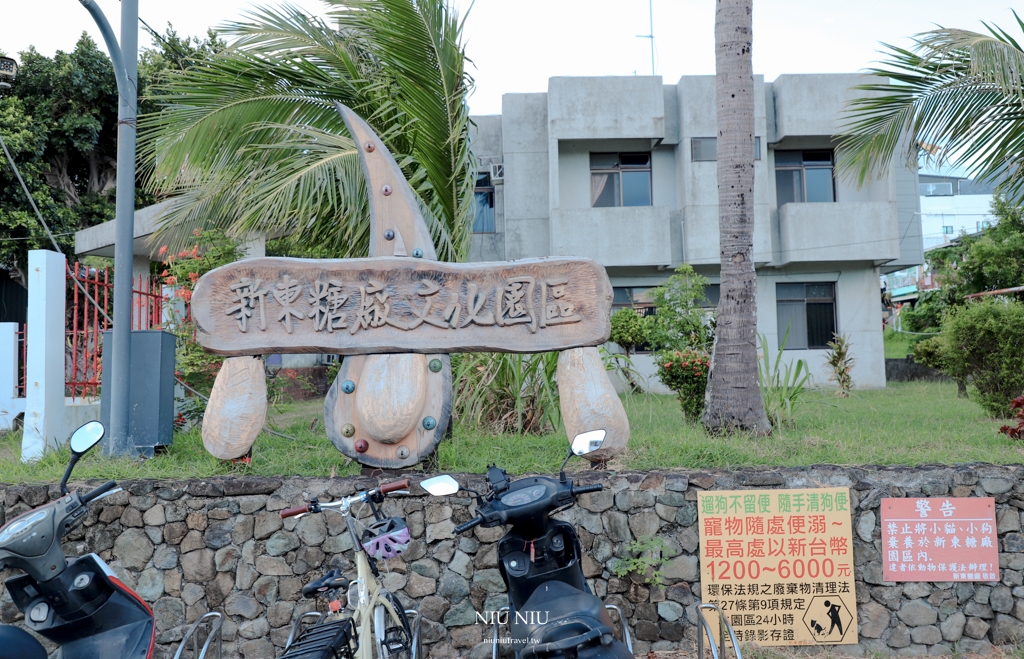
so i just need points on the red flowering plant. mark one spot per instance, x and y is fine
(179, 272)
(686, 373)
(1017, 431)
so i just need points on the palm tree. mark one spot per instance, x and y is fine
(956, 96)
(248, 140)
(733, 399)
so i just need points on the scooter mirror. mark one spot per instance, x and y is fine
(86, 437)
(587, 442)
(440, 486)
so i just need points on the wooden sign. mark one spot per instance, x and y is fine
(943, 539)
(779, 563)
(392, 304)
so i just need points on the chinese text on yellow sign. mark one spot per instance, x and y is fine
(779, 563)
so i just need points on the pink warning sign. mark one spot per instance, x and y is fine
(943, 539)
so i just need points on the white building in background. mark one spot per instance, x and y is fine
(952, 206)
(622, 170)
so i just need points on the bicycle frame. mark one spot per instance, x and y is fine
(371, 609)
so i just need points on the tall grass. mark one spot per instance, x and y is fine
(506, 393)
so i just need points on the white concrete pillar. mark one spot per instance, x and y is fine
(10, 405)
(255, 247)
(44, 399)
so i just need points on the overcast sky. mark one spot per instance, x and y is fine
(517, 45)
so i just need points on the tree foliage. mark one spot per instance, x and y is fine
(248, 139)
(59, 120)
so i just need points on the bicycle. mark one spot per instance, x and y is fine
(373, 611)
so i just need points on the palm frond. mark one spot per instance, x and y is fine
(960, 92)
(250, 141)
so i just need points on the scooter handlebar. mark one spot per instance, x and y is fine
(98, 492)
(462, 528)
(583, 489)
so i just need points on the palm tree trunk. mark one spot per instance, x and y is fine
(733, 400)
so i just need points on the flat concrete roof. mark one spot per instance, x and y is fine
(99, 240)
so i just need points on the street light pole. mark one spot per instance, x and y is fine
(126, 64)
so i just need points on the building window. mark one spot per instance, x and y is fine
(804, 176)
(706, 149)
(948, 230)
(935, 189)
(808, 312)
(982, 225)
(483, 221)
(620, 179)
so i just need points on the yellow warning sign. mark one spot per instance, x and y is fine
(779, 563)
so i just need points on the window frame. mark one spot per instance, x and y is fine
(484, 189)
(695, 140)
(618, 169)
(803, 167)
(781, 331)
(947, 230)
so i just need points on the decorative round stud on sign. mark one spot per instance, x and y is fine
(348, 430)
(389, 235)
(370, 147)
(417, 253)
(435, 365)
(362, 445)
(386, 190)
(429, 423)
(402, 452)
(348, 386)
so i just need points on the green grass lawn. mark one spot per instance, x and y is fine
(899, 345)
(905, 424)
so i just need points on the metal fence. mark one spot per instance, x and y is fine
(85, 322)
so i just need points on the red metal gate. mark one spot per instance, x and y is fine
(85, 322)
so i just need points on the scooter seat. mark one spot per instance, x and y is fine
(557, 611)
(16, 643)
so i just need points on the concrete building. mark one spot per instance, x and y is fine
(952, 206)
(622, 170)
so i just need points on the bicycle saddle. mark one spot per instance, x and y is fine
(330, 581)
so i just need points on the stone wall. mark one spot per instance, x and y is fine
(220, 544)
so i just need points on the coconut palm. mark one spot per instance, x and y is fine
(733, 396)
(955, 96)
(249, 141)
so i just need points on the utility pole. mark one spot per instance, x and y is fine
(650, 13)
(126, 65)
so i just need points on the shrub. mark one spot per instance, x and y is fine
(629, 330)
(686, 373)
(983, 343)
(840, 364)
(679, 321)
(1017, 431)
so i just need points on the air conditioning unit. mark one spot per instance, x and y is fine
(497, 172)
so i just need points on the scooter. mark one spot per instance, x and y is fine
(552, 612)
(78, 603)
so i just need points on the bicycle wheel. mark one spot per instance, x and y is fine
(393, 637)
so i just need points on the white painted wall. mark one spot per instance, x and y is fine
(10, 405)
(962, 212)
(49, 417)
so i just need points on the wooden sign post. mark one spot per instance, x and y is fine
(398, 314)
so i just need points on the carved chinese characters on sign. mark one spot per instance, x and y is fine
(779, 563)
(393, 304)
(943, 539)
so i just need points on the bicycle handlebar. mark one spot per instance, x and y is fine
(297, 510)
(392, 487)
